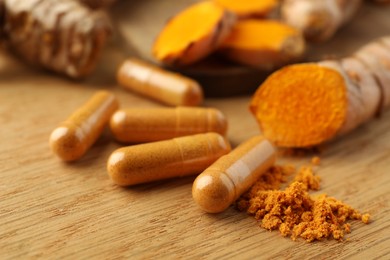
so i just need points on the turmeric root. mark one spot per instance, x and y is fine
(264, 44)
(318, 19)
(308, 104)
(249, 8)
(193, 34)
(63, 36)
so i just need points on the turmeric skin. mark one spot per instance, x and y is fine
(249, 8)
(193, 34)
(308, 104)
(264, 44)
(318, 19)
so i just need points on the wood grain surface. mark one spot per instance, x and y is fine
(55, 210)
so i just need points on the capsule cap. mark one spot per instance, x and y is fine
(213, 191)
(66, 142)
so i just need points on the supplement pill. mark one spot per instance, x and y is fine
(231, 175)
(177, 157)
(75, 136)
(137, 125)
(164, 86)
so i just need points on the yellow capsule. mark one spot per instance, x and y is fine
(161, 85)
(177, 157)
(231, 175)
(138, 125)
(75, 136)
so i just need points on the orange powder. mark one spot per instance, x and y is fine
(315, 160)
(293, 211)
(306, 176)
(273, 178)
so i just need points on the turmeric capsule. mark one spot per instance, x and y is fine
(164, 86)
(177, 157)
(231, 175)
(138, 125)
(75, 136)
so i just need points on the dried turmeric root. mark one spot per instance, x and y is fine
(264, 44)
(318, 19)
(307, 104)
(193, 34)
(63, 36)
(250, 8)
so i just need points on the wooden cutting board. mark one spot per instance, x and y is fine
(50, 209)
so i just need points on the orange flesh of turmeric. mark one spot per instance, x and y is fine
(243, 7)
(301, 111)
(259, 34)
(187, 27)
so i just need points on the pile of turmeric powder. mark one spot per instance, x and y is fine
(306, 176)
(294, 211)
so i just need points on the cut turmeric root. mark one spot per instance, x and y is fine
(308, 104)
(318, 19)
(193, 34)
(249, 8)
(63, 36)
(264, 44)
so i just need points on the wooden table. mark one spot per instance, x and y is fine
(50, 209)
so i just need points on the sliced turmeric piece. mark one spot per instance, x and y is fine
(318, 19)
(249, 8)
(264, 44)
(295, 105)
(307, 104)
(193, 34)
